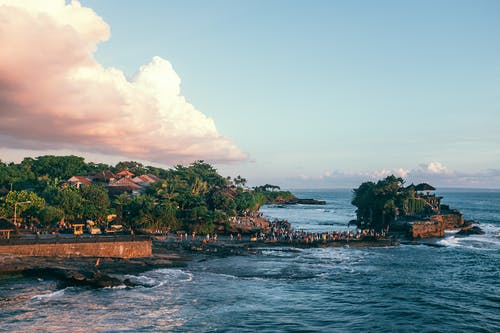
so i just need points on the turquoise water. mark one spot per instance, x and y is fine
(452, 288)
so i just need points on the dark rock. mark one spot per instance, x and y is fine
(294, 200)
(475, 230)
(311, 202)
(71, 277)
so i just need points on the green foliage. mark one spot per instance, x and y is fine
(267, 187)
(49, 216)
(21, 198)
(248, 201)
(135, 167)
(192, 198)
(278, 197)
(415, 206)
(379, 203)
(146, 212)
(16, 176)
(57, 166)
(95, 203)
(71, 201)
(222, 200)
(240, 181)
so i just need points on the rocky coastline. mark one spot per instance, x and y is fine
(93, 272)
(88, 271)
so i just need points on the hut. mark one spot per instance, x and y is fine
(6, 228)
(78, 228)
(433, 201)
(424, 187)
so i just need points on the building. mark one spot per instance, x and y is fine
(78, 181)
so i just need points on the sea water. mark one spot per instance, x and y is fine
(451, 287)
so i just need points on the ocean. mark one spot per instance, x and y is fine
(451, 287)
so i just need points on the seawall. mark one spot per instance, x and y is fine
(112, 247)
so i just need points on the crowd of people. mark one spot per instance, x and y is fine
(281, 231)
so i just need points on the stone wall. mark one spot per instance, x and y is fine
(449, 221)
(436, 225)
(426, 229)
(118, 249)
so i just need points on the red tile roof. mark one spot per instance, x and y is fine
(79, 179)
(125, 183)
(105, 174)
(125, 173)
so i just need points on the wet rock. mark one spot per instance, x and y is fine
(311, 202)
(475, 230)
(70, 277)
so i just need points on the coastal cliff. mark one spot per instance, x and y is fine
(431, 226)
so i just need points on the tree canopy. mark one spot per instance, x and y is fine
(191, 197)
(378, 204)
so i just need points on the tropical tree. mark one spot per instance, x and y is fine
(95, 203)
(23, 203)
(50, 215)
(135, 167)
(62, 167)
(16, 176)
(70, 201)
(240, 181)
(378, 203)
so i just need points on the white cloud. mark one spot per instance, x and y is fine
(400, 172)
(435, 168)
(435, 173)
(54, 95)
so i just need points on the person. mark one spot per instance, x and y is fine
(231, 237)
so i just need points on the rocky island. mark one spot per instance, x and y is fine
(412, 212)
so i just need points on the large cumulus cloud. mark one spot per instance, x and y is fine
(53, 94)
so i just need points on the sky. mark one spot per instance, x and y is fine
(302, 94)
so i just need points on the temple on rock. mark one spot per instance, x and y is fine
(426, 217)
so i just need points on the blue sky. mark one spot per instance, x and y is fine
(330, 93)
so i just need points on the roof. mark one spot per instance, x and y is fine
(146, 179)
(6, 224)
(424, 187)
(105, 174)
(125, 173)
(80, 179)
(126, 184)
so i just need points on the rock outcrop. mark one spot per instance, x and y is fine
(473, 230)
(436, 225)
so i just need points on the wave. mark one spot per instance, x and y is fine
(450, 241)
(159, 277)
(54, 294)
(490, 240)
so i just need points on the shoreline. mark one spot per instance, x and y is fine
(99, 272)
